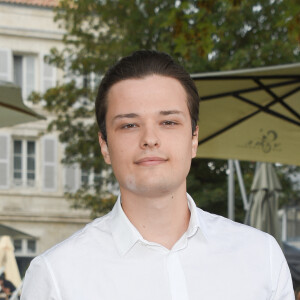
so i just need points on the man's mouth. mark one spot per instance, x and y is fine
(150, 161)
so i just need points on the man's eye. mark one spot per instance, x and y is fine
(169, 123)
(128, 126)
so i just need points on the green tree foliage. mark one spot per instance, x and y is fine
(256, 33)
(202, 35)
(207, 183)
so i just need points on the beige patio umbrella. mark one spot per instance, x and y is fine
(12, 109)
(251, 114)
(8, 260)
(263, 200)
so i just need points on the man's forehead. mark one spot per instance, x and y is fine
(136, 81)
(151, 96)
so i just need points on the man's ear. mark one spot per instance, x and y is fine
(195, 142)
(104, 149)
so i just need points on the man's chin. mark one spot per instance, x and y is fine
(153, 189)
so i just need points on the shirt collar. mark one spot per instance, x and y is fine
(197, 222)
(194, 220)
(126, 235)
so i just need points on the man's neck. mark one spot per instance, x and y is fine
(162, 220)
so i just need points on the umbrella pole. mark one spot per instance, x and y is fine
(241, 184)
(231, 190)
(284, 225)
(234, 166)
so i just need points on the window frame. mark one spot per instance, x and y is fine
(5, 161)
(26, 90)
(24, 181)
(24, 252)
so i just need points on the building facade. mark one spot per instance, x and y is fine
(33, 210)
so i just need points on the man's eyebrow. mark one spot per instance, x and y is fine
(170, 112)
(122, 116)
(134, 115)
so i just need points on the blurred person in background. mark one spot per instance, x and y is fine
(7, 286)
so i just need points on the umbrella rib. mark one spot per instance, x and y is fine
(18, 109)
(242, 119)
(253, 89)
(280, 100)
(242, 77)
(227, 127)
(267, 110)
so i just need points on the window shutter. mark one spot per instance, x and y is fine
(49, 157)
(71, 182)
(5, 65)
(29, 82)
(48, 76)
(4, 161)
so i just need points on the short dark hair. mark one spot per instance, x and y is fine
(138, 65)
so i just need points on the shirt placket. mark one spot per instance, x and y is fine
(177, 281)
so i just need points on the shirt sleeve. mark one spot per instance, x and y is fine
(39, 283)
(280, 273)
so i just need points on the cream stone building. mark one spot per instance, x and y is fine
(33, 210)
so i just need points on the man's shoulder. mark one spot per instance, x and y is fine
(93, 235)
(220, 230)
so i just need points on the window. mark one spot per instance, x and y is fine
(98, 178)
(91, 81)
(25, 246)
(18, 245)
(85, 174)
(76, 178)
(29, 71)
(25, 251)
(31, 246)
(90, 177)
(24, 73)
(24, 162)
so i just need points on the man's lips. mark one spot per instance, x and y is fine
(150, 161)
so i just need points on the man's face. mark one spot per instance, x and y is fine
(149, 135)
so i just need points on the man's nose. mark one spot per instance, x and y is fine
(150, 138)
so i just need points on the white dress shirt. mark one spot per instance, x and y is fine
(109, 259)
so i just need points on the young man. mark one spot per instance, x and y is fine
(155, 243)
